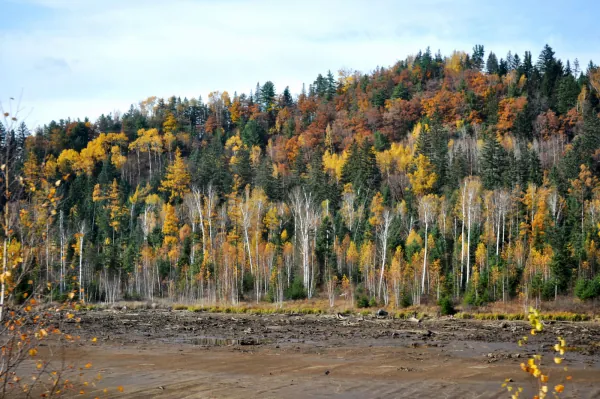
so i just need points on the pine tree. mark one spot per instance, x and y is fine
(253, 134)
(401, 91)
(527, 66)
(324, 247)
(287, 99)
(492, 64)
(535, 168)
(567, 93)
(493, 162)
(331, 86)
(458, 168)
(264, 178)
(242, 168)
(267, 96)
(477, 58)
(551, 70)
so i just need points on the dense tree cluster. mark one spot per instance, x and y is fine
(460, 176)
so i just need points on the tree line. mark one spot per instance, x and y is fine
(438, 177)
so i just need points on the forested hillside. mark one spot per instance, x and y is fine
(468, 176)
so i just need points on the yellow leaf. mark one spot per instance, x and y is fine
(94, 339)
(538, 326)
(559, 388)
(558, 360)
(87, 366)
(120, 388)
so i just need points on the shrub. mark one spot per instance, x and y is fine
(587, 289)
(446, 306)
(296, 290)
(406, 300)
(362, 301)
(248, 282)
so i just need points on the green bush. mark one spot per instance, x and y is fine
(446, 306)
(134, 296)
(549, 290)
(362, 301)
(248, 282)
(587, 289)
(373, 303)
(406, 300)
(296, 290)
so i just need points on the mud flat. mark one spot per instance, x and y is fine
(181, 354)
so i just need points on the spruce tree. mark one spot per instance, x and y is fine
(477, 58)
(493, 163)
(492, 64)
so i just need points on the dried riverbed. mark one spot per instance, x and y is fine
(180, 354)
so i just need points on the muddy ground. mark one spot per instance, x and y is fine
(180, 354)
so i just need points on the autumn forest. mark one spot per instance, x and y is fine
(468, 176)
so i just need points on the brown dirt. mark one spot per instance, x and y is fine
(179, 354)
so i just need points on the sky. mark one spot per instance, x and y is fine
(82, 58)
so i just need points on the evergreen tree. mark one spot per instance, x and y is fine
(477, 58)
(287, 99)
(361, 170)
(527, 66)
(535, 168)
(299, 170)
(568, 91)
(401, 91)
(267, 96)
(583, 148)
(551, 70)
(381, 142)
(324, 247)
(502, 68)
(264, 178)
(458, 168)
(493, 163)
(331, 86)
(242, 168)
(492, 64)
(253, 134)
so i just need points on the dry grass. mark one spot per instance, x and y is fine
(564, 309)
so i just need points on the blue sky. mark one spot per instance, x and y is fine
(78, 58)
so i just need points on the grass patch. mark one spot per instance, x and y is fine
(558, 316)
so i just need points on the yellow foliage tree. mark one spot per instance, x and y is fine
(422, 178)
(177, 179)
(334, 163)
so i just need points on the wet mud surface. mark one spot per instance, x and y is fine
(180, 354)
